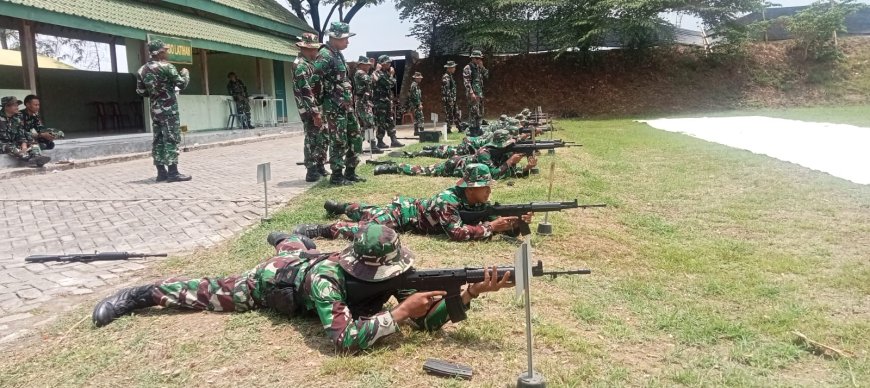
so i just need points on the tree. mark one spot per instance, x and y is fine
(8, 39)
(310, 10)
(814, 28)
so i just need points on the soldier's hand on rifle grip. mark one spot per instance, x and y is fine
(514, 159)
(527, 218)
(417, 305)
(491, 283)
(533, 161)
(504, 224)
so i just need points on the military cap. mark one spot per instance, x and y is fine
(10, 100)
(520, 117)
(309, 40)
(500, 139)
(340, 30)
(384, 59)
(450, 64)
(376, 254)
(476, 54)
(503, 118)
(156, 46)
(475, 175)
(526, 112)
(417, 75)
(363, 60)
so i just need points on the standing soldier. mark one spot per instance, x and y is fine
(384, 78)
(363, 91)
(448, 96)
(158, 80)
(473, 76)
(239, 91)
(306, 89)
(345, 140)
(416, 102)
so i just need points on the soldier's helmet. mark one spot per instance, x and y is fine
(450, 64)
(476, 54)
(384, 59)
(475, 175)
(501, 139)
(526, 112)
(156, 46)
(9, 100)
(502, 118)
(340, 30)
(417, 75)
(363, 60)
(376, 254)
(309, 40)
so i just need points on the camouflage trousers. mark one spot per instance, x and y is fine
(14, 151)
(418, 120)
(345, 140)
(233, 293)
(316, 144)
(385, 122)
(361, 213)
(167, 135)
(451, 114)
(243, 106)
(476, 111)
(449, 167)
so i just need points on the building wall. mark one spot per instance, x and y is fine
(292, 111)
(11, 77)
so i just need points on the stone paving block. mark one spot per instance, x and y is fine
(35, 267)
(15, 317)
(82, 291)
(29, 293)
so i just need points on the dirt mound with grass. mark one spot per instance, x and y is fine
(660, 81)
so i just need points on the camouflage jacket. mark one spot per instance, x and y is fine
(32, 123)
(470, 144)
(12, 130)
(448, 88)
(363, 88)
(473, 79)
(495, 160)
(158, 80)
(384, 86)
(306, 88)
(440, 214)
(237, 88)
(415, 98)
(337, 88)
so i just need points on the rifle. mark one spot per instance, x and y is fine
(498, 210)
(450, 280)
(529, 129)
(548, 141)
(531, 148)
(379, 162)
(84, 257)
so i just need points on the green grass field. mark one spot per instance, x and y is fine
(704, 263)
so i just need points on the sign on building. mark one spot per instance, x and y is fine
(179, 50)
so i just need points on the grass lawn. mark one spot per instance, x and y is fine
(845, 114)
(706, 260)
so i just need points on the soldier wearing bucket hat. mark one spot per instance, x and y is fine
(306, 89)
(448, 96)
(385, 83)
(15, 140)
(473, 76)
(345, 138)
(158, 80)
(415, 100)
(363, 89)
(438, 214)
(299, 280)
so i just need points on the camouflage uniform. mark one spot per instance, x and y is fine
(33, 123)
(488, 155)
(415, 99)
(345, 139)
(363, 90)
(468, 146)
(306, 89)
(436, 215)
(473, 77)
(448, 98)
(12, 134)
(239, 91)
(384, 84)
(158, 80)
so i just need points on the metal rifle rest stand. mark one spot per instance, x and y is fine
(264, 175)
(530, 378)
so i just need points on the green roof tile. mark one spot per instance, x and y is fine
(163, 21)
(269, 9)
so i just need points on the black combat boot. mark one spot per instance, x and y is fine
(322, 170)
(39, 161)
(381, 144)
(334, 208)
(174, 176)
(276, 238)
(123, 303)
(312, 230)
(312, 175)
(161, 173)
(338, 179)
(386, 169)
(350, 174)
(375, 148)
(394, 142)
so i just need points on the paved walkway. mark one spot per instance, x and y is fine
(119, 207)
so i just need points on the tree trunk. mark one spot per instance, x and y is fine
(353, 10)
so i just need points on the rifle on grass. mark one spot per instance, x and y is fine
(549, 141)
(499, 210)
(449, 280)
(532, 148)
(84, 257)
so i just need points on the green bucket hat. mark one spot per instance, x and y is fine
(363, 60)
(309, 40)
(526, 112)
(340, 30)
(476, 54)
(9, 100)
(376, 254)
(502, 118)
(520, 117)
(156, 46)
(475, 175)
(417, 75)
(384, 59)
(501, 139)
(450, 64)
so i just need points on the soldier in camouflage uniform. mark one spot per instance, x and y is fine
(32, 122)
(468, 146)
(363, 90)
(307, 89)
(237, 89)
(345, 139)
(473, 76)
(14, 140)
(415, 100)
(157, 80)
(436, 215)
(448, 96)
(384, 79)
(299, 280)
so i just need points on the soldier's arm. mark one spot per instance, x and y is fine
(141, 88)
(176, 78)
(435, 318)
(466, 79)
(305, 92)
(445, 86)
(230, 88)
(358, 83)
(484, 73)
(451, 222)
(244, 89)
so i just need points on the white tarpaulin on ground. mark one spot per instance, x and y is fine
(838, 149)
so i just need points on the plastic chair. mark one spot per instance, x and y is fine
(234, 115)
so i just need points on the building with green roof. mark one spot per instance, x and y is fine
(252, 38)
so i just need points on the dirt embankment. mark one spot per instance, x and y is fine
(659, 81)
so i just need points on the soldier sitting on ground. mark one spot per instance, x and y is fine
(32, 122)
(14, 140)
(299, 280)
(439, 214)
